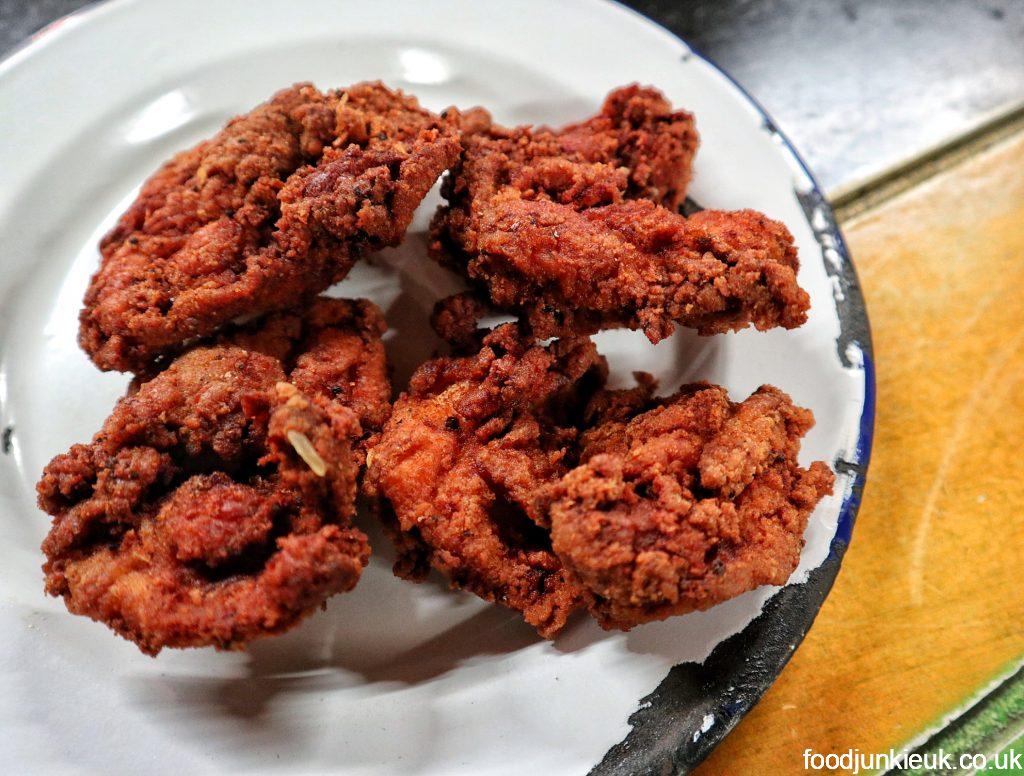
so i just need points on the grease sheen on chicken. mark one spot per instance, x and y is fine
(214, 505)
(576, 230)
(267, 213)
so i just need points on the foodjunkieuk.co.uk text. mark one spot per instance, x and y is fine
(854, 761)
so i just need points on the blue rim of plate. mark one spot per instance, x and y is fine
(678, 725)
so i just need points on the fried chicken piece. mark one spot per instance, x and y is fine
(456, 320)
(463, 462)
(636, 147)
(635, 265)
(639, 133)
(215, 504)
(683, 502)
(333, 350)
(271, 211)
(576, 230)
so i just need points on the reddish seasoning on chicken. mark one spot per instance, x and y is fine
(215, 504)
(576, 230)
(269, 212)
(683, 502)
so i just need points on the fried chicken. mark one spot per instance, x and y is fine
(683, 502)
(456, 318)
(636, 147)
(215, 504)
(333, 350)
(463, 463)
(575, 230)
(269, 212)
(636, 507)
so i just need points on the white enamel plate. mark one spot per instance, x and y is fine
(394, 677)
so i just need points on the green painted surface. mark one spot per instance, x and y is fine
(1006, 762)
(995, 726)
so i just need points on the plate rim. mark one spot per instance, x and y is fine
(661, 739)
(651, 747)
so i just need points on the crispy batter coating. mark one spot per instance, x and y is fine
(636, 147)
(639, 133)
(463, 462)
(576, 230)
(214, 505)
(636, 265)
(684, 502)
(332, 349)
(269, 212)
(456, 320)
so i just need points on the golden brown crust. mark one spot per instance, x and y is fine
(635, 147)
(332, 349)
(215, 504)
(575, 230)
(269, 212)
(684, 502)
(456, 320)
(634, 265)
(463, 462)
